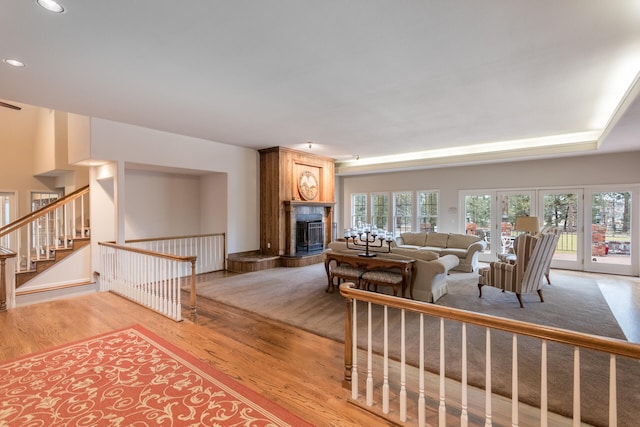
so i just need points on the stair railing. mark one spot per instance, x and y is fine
(151, 279)
(459, 404)
(211, 249)
(37, 235)
(152, 271)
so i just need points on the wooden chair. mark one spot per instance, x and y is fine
(534, 254)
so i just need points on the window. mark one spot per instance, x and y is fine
(7, 214)
(380, 210)
(403, 212)
(43, 229)
(358, 209)
(428, 211)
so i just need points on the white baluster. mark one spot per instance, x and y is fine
(421, 399)
(543, 385)
(354, 352)
(464, 415)
(47, 235)
(82, 222)
(576, 387)
(487, 420)
(403, 373)
(613, 398)
(514, 382)
(56, 229)
(369, 358)
(385, 381)
(442, 409)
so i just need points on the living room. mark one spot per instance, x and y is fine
(182, 144)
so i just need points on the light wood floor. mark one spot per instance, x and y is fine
(298, 370)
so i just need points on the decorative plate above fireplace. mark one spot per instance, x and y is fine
(308, 185)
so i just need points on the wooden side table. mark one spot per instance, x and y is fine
(376, 271)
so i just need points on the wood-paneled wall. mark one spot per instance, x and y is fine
(280, 170)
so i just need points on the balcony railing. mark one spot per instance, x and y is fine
(355, 359)
(152, 272)
(151, 279)
(209, 248)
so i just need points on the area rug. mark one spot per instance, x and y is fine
(124, 378)
(297, 296)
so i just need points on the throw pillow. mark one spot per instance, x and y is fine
(461, 241)
(413, 238)
(437, 239)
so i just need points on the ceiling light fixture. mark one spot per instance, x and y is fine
(50, 5)
(13, 62)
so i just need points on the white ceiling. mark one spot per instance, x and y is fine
(367, 78)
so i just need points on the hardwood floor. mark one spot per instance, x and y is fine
(296, 369)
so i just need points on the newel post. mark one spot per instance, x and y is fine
(192, 296)
(4, 254)
(348, 343)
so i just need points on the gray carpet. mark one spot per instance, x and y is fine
(297, 296)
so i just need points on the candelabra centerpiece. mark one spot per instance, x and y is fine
(370, 238)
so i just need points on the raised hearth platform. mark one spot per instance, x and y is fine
(247, 262)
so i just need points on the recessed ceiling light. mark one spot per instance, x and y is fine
(13, 62)
(51, 5)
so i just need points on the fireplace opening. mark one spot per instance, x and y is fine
(309, 233)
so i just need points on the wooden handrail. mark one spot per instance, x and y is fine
(563, 336)
(31, 216)
(182, 258)
(191, 236)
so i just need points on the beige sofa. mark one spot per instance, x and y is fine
(464, 246)
(431, 270)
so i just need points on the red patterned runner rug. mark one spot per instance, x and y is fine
(129, 377)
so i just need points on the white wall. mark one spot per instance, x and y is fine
(579, 171)
(161, 204)
(136, 145)
(213, 216)
(44, 144)
(18, 133)
(102, 209)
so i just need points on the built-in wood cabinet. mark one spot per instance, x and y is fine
(290, 179)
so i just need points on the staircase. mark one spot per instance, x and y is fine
(43, 238)
(37, 266)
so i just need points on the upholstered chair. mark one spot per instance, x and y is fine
(534, 254)
(557, 231)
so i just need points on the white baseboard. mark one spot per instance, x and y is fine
(51, 293)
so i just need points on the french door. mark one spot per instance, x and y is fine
(478, 215)
(562, 208)
(610, 242)
(599, 231)
(491, 215)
